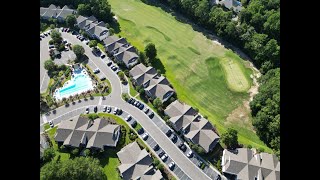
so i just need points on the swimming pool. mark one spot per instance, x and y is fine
(79, 83)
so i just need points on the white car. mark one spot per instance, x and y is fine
(171, 165)
(189, 154)
(105, 108)
(145, 136)
(128, 118)
(164, 157)
(115, 111)
(51, 124)
(87, 110)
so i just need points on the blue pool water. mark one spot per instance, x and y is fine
(80, 83)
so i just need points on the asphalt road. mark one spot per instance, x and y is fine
(44, 55)
(185, 168)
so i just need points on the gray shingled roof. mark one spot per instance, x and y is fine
(53, 11)
(247, 164)
(110, 39)
(86, 22)
(151, 174)
(129, 56)
(159, 87)
(181, 115)
(115, 45)
(134, 161)
(98, 30)
(200, 131)
(92, 134)
(142, 74)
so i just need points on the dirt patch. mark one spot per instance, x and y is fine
(241, 116)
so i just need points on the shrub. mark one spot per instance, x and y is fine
(75, 151)
(160, 167)
(125, 96)
(249, 146)
(156, 162)
(52, 26)
(196, 109)
(51, 42)
(205, 116)
(87, 152)
(93, 116)
(261, 149)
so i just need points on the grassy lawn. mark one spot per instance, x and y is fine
(63, 156)
(133, 92)
(204, 74)
(46, 126)
(101, 46)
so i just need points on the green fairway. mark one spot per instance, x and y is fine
(204, 74)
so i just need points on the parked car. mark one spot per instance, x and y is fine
(156, 147)
(102, 78)
(161, 154)
(138, 104)
(114, 68)
(182, 146)
(119, 111)
(51, 46)
(129, 100)
(200, 163)
(51, 124)
(146, 110)
(133, 101)
(87, 110)
(171, 165)
(96, 71)
(140, 131)
(141, 106)
(174, 138)
(145, 136)
(189, 154)
(134, 124)
(151, 115)
(169, 132)
(108, 109)
(103, 56)
(128, 118)
(218, 177)
(115, 111)
(104, 108)
(95, 109)
(164, 157)
(109, 63)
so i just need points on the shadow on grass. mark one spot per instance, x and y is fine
(115, 26)
(108, 153)
(158, 65)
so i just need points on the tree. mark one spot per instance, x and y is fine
(52, 26)
(93, 43)
(78, 51)
(84, 9)
(157, 103)
(121, 75)
(87, 152)
(71, 20)
(142, 58)
(75, 151)
(48, 154)
(49, 65)
(77, 168)
(151, 51)
(156, 162)
(93, 116)
(56, 36)
(230, 138)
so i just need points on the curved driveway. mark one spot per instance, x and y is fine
(114, 99)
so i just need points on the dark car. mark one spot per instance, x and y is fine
(119, 111)
(218, 177)
(169, 132)
(114, 68)
(174, 138)
(133, 101)
(182, 146)
(109, 63)
(103, 56)
(129, 100)
(138, 104)
(161, 154)
(200, 163)
(134, 124)
(141, 106)
(95, 109)
(156, 147)
(140, 131)
(151, 115)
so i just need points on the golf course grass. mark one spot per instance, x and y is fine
(204, 74)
